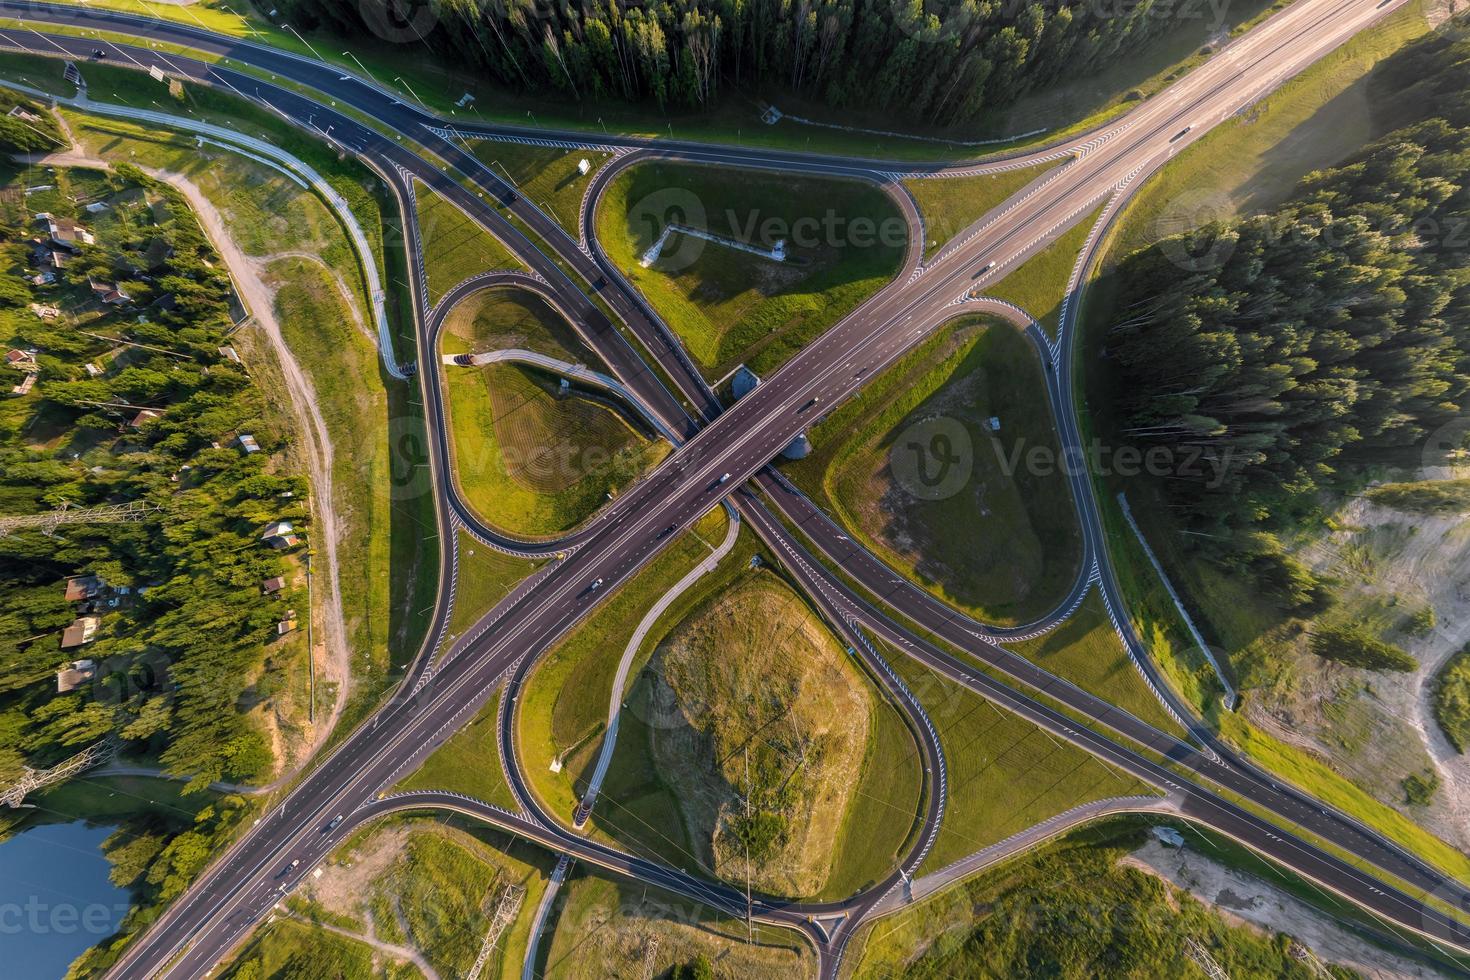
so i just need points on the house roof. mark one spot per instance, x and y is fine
(80, 587)
(274, 584)
(79, 632)
(146, 415)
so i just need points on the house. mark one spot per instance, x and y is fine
(41, 278)
(93, 371)
(97, 207)
(273, 585)
(24, 388)
(73, 677)
(288, 624)
(280, 535)
(230, 354)
(21, 113)
(247, 442)
(46, 312)
(109, 293)
(21, 360)
(65, 233)
(146, 415)
(49, 258)
(157, 252)
(80, 588)
(80, 632)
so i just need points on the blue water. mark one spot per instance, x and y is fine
(55, 899)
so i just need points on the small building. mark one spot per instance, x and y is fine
(23, 114)
(65, 233)
(273, 585)
(81, 632)
(21, 360)
(280, 535)
(73, 677)
(97, 207)
(288, 624)
(81, 588)
(247, 442)
(50, 258)
(230, 354)
(144, 416)
(584, 166)
(93, 371)
(109, 293)
(25, 386)
(45, 312)
(43, 278)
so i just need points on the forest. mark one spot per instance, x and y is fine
(136, 398)
(937, 63)
(1298, 348)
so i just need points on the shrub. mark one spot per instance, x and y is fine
(1354, 646)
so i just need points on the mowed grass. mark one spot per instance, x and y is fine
(468, 763)
(485, 577)
(455, 245)
(506, 317)
(612, 928)
(546, 176)
(1320, 781)
(950, 205)
(530, 459)
(1086, 650)
(1005, 774)
(845, 239)
(563, 704)
(1002, 544)
(1039, 284)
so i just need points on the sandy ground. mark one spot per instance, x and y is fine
(1419, 560)
(247, 273)
(1244, 900)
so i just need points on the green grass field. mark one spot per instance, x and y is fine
(530, 460)
(845, 240)
(612, 928)
(469, 763)
(485, 577)
(455, 246)
(1039, 284)
(1002, 544)
(1086, 651)
(950, 205)
(508, 317)
(545, 176)
(1005, 774)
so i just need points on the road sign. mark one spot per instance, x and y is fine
(155, 73)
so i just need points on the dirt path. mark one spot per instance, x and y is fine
(259, 300)
(343, 290)
(400, 953)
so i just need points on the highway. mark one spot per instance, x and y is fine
(235, 892)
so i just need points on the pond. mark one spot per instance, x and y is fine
(55, 898)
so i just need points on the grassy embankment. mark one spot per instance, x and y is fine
(611, 928)
(544, 175)
(1039, 284)
(845, 239)
(455, 245)
(1005, 774)
(1003, 545)
(564, 708)
(529, 459)
(950, 205)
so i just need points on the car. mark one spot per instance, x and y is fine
(599, 283)
(808, 405)
(98, 53)
(666, 532)
(596, 584)
(335, 823)
(984, 269)
(724, 479)
(1181, 134)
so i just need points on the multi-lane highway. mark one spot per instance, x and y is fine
(233, 894)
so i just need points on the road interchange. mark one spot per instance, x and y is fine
(619, 541)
